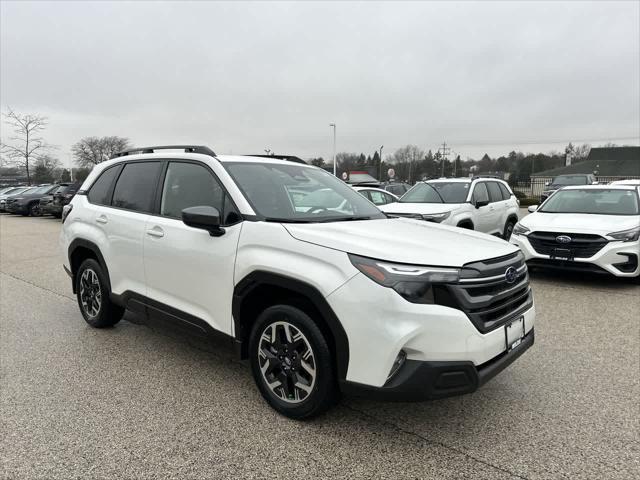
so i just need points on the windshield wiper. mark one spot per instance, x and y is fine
(287, 220)
(344, 219)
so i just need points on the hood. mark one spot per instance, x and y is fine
(404, 240)
(423, 208)
(579, 222)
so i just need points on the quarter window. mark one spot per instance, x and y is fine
(506, 195)
(99, 191)
(191, 185)
(494, 191)
(136, 186)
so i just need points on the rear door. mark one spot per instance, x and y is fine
(122, 222)
(187, 268)
(483, 216)
(498, 207)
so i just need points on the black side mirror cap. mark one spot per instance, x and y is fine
(482, 204)
(204, 218)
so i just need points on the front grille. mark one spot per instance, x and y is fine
(486, 296)
(582, 245)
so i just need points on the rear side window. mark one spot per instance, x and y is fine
(494, 191)
(136, 186)
(506, 194)
(99, 191)
(480, 193)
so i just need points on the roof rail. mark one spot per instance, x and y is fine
(187, 149)
(288, 158)
(487, 176)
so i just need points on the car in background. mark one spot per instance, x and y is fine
(8, 193)
(397, 188)
(590, 228)
(377, 196)
(566, 180)
(484, 204)
(634, 182)
(53, 202)
(27, 203)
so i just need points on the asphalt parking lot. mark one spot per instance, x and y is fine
(132, 402)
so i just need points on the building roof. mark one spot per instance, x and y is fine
(605, 161)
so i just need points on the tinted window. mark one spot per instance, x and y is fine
(506, 195)
(494, 191)
(136, 186)
(397, 189)
(191, 185)
(480, 193)
(99, 191)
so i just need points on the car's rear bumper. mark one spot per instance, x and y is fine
(417, 380)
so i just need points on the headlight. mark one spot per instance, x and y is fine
(436, 217)
(412, 282)
(519, 229)
(630, 235)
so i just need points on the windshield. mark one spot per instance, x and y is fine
(570, 180)
(11, 191)
(44, 189)
(295, 193)
(593, 201)
(437, 192)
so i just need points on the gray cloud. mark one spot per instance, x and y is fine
(244, 76)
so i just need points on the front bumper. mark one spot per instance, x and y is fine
(608, 260)
(17, 208)
(418, 380)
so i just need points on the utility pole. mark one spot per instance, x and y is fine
(444, 151)
(380, 167)
(334, 148)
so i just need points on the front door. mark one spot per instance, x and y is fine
(484, 215)
(186, 268)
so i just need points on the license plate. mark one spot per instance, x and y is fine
(561, 254)
(514, 333)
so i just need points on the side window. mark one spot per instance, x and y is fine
(191, 185)
(506, 195)
(99, 191)
(378, 198)
(136, 186)
(480, 193)
(494, 191)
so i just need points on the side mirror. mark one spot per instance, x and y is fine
(482, 203)
(204, 218)
(532, 208)
(546, 184)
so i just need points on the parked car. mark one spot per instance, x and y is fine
(28, 202)
(566, 180)
(482, 204)
(397, 188)
(589, 228)
(377, 196)
(319, 298)
(53, 202)
(635, 182)
(10, 192)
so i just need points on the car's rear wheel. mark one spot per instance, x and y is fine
(93, 296)
(292, 363)
(508, 229)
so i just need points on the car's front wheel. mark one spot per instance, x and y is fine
(508, 229)
(34, 210)
(93, 296)
(292, 363)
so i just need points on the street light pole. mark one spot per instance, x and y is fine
(380, 168)
(334, 148)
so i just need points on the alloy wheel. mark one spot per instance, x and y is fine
(287, 362)
(90, 293)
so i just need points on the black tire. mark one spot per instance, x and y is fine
(300, 404)
(34, 210)
(466, 225)
(94, 291)
(508, 229)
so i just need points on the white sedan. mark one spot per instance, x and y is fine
(591, 228)
(377, 196)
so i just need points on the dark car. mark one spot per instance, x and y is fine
(565, 180)
(54, 201)
(28, 202)
(397, 188)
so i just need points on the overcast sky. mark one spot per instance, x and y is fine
(242, 77)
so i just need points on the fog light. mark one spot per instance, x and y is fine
(398, 362)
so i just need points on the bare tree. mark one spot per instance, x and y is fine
(26, 144)
(90, 151)
(46, 169)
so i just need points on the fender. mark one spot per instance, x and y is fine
(261, 278)
(82, 243)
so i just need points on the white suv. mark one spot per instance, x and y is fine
(320, 299)
(482, 204)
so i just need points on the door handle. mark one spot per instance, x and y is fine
(101, 219)
(155, 232)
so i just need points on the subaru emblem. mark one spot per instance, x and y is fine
(563, 239)
(510, 275)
